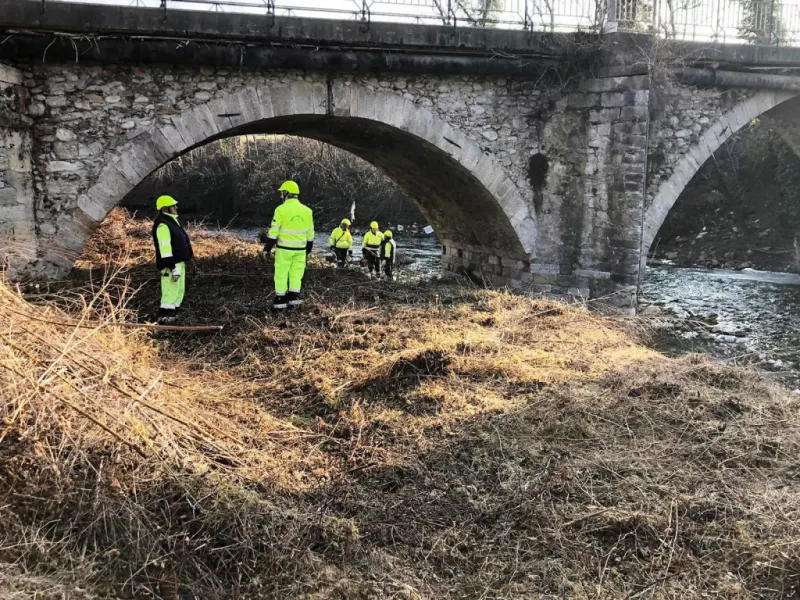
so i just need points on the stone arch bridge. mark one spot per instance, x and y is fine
(546, 163)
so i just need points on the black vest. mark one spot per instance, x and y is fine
(181, 246)
(383, 249)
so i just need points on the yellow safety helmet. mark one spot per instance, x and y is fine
(387, 234)
(165, 202)
(373, 225)
(345, 221)
(290, 187)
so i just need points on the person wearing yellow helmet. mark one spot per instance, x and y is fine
(371, 249)
(292, 234)
(388, 254)
(173, 251)
(341, 241)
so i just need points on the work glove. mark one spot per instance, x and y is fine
(264, 255)
(176, 274)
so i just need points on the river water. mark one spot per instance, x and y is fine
(418, 257)
(744, 316)
(740, 317)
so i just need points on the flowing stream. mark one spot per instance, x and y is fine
(741, 316)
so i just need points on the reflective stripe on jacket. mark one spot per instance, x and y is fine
(171, 242)
(372, 240)
(292, 225)
(341, 239)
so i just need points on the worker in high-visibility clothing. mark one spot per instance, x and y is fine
(173, 251)
(341, 241)
(371, 249)
(292, 233)
(388, 254)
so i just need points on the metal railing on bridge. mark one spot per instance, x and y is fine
(774, 22)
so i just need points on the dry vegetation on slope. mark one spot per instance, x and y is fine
(433, 442)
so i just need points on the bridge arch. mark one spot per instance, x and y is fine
(764, 102)
(469, 199)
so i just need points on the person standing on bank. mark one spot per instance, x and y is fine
(371, 248)
(341, 241)
(173, 251)
(292, 233)
(388, 254)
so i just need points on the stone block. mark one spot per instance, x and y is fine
(615, 84)
(8, 196)
(514, 264)
(10, 75)
(630, 128)
(566, 281)
(282, 101)
(592, 274)
(578, 100)
(550, 279)
(633, 113)
(544, 269)
(617, 99)
(541, 289)
(62, 166)
(604, 115)
(65, 150)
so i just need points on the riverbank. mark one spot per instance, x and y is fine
(431, 441)
(729, 247)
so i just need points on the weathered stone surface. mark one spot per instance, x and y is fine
(8, 196)
(65, 135)
(470, 143)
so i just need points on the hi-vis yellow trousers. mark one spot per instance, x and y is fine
(290, 266)
(172, 292)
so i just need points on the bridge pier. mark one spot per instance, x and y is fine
(17, 210)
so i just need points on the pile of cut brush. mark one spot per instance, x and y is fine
(442, 442)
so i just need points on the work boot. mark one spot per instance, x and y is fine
(294, 299)
(166, 316)
(279, 303)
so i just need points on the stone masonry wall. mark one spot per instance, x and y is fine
(17, 215)
(579, 157)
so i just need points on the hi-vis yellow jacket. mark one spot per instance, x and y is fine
(292, 226)
(341, 239)
(372, 241)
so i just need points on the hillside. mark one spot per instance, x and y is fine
(429, 442)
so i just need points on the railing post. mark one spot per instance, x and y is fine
(772, 33)
(365, 15)
(610, 26)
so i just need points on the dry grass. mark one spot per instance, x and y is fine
(428, 442)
